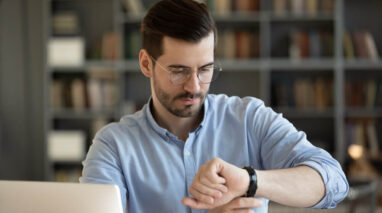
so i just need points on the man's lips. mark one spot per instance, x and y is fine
(189, 101)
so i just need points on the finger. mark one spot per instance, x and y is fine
(200, 196)
(195, 204)
(217, 186)
(244, 202)
(209, 190)
(247, 210)
(212, 173)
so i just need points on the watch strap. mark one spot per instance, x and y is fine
(252, 188)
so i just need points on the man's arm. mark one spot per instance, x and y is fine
(102, 166)
(301, 186)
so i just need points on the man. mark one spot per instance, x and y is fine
(186, 148)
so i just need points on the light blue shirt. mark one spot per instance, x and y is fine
(154, 169)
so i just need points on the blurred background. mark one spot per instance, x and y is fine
(69, 67)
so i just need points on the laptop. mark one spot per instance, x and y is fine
(53, 197)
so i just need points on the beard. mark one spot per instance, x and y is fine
(168, 102)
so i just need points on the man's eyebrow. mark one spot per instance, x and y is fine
(183, 66)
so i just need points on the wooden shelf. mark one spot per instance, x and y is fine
(359, 112)
(365, 64)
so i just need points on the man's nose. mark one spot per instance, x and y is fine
(192, 85)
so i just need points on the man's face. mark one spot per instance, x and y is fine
(184, 100)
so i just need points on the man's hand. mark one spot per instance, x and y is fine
(237, 205)
(216, 183)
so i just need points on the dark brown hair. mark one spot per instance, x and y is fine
(182, 19)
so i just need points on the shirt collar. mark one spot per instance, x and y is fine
(164, 133)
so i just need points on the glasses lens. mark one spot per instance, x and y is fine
(210, 76)
(178, 78)
(205, 76)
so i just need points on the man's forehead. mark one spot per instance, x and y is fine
(174, 47)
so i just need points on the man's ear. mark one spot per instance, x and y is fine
(145, 62)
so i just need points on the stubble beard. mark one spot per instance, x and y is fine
(168, 102)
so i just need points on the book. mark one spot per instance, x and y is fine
(297, 7)
(66, 52)
(102, 89)
(294, 47)
(371, 87)
(314, 44)
(242, 44)
(78, 94)
(253, 5)
(360, 45)
(66, 145)
(378, 97)
(111, 43)
(371, 49)
(280, 7)
(230, 45)
(254, 45)
(222, 7)
(303, 44)
(348, 46)
(65, 23)
(312, 7)
(56, 94)
(372, 139)
(94, 94)
(327, 6)
(327, 44)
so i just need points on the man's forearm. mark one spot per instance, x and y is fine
(301, 186)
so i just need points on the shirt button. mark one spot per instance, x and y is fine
(187, 153)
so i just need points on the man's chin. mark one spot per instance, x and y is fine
(187, 111)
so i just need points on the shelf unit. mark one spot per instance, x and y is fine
(243, 77)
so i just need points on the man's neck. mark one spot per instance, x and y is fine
(179, 126)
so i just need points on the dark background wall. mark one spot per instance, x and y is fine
(21, 89)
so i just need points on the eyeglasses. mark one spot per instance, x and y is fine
(180, 75)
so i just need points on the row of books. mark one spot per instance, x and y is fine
(107, 48)
(238, 44)
(303, 7)
(310, 44)
(367, 93)
(303, 93)
(66, 23)
(225, 7)
(363, 132)
(360, 44)
(96, 92)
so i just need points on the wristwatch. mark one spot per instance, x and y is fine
(252, 182)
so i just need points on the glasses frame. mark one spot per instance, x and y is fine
(217, 69)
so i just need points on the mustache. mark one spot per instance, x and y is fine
(189, 95)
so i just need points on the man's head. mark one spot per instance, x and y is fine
(186, 20)
(178, 35)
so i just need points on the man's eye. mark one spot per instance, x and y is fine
(206, 69)
(177, 72)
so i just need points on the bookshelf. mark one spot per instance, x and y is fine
(282, 58)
